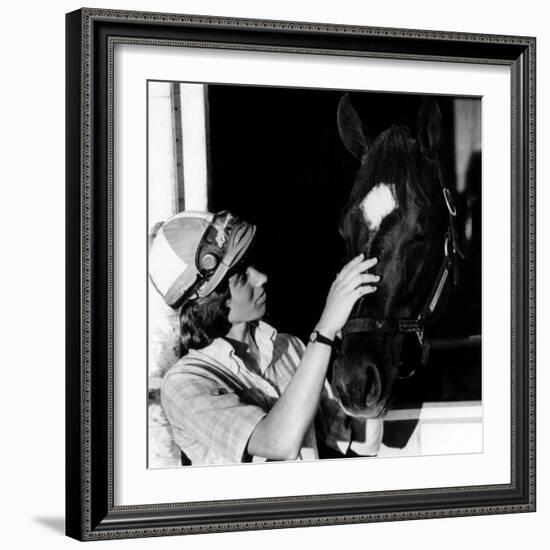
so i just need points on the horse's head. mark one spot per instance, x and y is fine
(397, 213)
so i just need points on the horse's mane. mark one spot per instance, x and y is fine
(394, 158)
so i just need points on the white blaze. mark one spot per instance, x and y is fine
(378, 203)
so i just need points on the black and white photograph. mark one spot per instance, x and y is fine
(270, 275)
(301, 275)
(314, 265)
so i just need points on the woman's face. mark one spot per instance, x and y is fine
(248, 297)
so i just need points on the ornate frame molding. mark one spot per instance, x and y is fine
(91, 36)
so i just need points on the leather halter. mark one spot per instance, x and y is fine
(417, 325)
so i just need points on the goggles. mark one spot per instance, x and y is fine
(223, 245)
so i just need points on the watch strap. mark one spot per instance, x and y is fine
(316, 336)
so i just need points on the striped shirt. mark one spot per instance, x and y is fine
(214, 402)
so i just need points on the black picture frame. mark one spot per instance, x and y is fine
(90, 512)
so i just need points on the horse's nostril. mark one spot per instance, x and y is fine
(372, 386)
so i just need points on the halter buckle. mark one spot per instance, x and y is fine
(410, 325)
(449, 201)
(446, 244)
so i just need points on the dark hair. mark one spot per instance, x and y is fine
(204, 319)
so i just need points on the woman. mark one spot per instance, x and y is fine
(242, 391)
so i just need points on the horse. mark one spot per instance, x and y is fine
(400, 211)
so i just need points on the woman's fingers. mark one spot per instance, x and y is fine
(368, 278)
(358, 272)
(350, 265)
(370, 262)
(361, 280)
(350, 284)
(365, 289)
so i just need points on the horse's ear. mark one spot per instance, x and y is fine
(351, 129)
(428, 128)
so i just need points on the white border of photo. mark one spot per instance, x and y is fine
(133, 482)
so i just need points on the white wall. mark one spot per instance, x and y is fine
(165, 200)
(31, 218)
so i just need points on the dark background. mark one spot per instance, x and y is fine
(276, 160)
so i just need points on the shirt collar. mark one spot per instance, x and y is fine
(222, 351)
(265, 339)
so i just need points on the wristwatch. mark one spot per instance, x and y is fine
(316, 336)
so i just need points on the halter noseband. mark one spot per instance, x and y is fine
(417, 325)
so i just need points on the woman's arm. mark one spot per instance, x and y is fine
(279, 435)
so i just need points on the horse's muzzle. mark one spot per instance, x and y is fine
(359, 390)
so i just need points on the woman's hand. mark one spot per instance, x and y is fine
(350, 284)
(280, 433)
